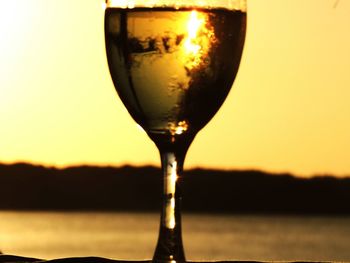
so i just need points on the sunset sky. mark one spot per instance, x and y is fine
(288, 110)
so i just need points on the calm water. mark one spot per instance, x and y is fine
(211, 237)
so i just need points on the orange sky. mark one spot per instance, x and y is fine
(288, 110)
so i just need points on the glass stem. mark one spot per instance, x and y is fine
(169, 247)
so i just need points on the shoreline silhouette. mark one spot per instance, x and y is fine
(129, 188)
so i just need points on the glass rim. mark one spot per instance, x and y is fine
(238, 5)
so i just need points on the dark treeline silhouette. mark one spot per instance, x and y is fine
(29, 187)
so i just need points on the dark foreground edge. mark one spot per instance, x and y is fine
(19, 259)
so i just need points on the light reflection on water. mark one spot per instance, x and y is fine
(211, 237)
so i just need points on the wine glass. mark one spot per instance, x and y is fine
(173, 62)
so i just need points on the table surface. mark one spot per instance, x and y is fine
(20, 259)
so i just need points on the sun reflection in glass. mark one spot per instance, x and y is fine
(179, 128)
(193, 27)
(198, 38)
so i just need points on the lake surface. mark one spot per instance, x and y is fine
(206, 237)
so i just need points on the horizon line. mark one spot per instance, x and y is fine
(140, 166)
